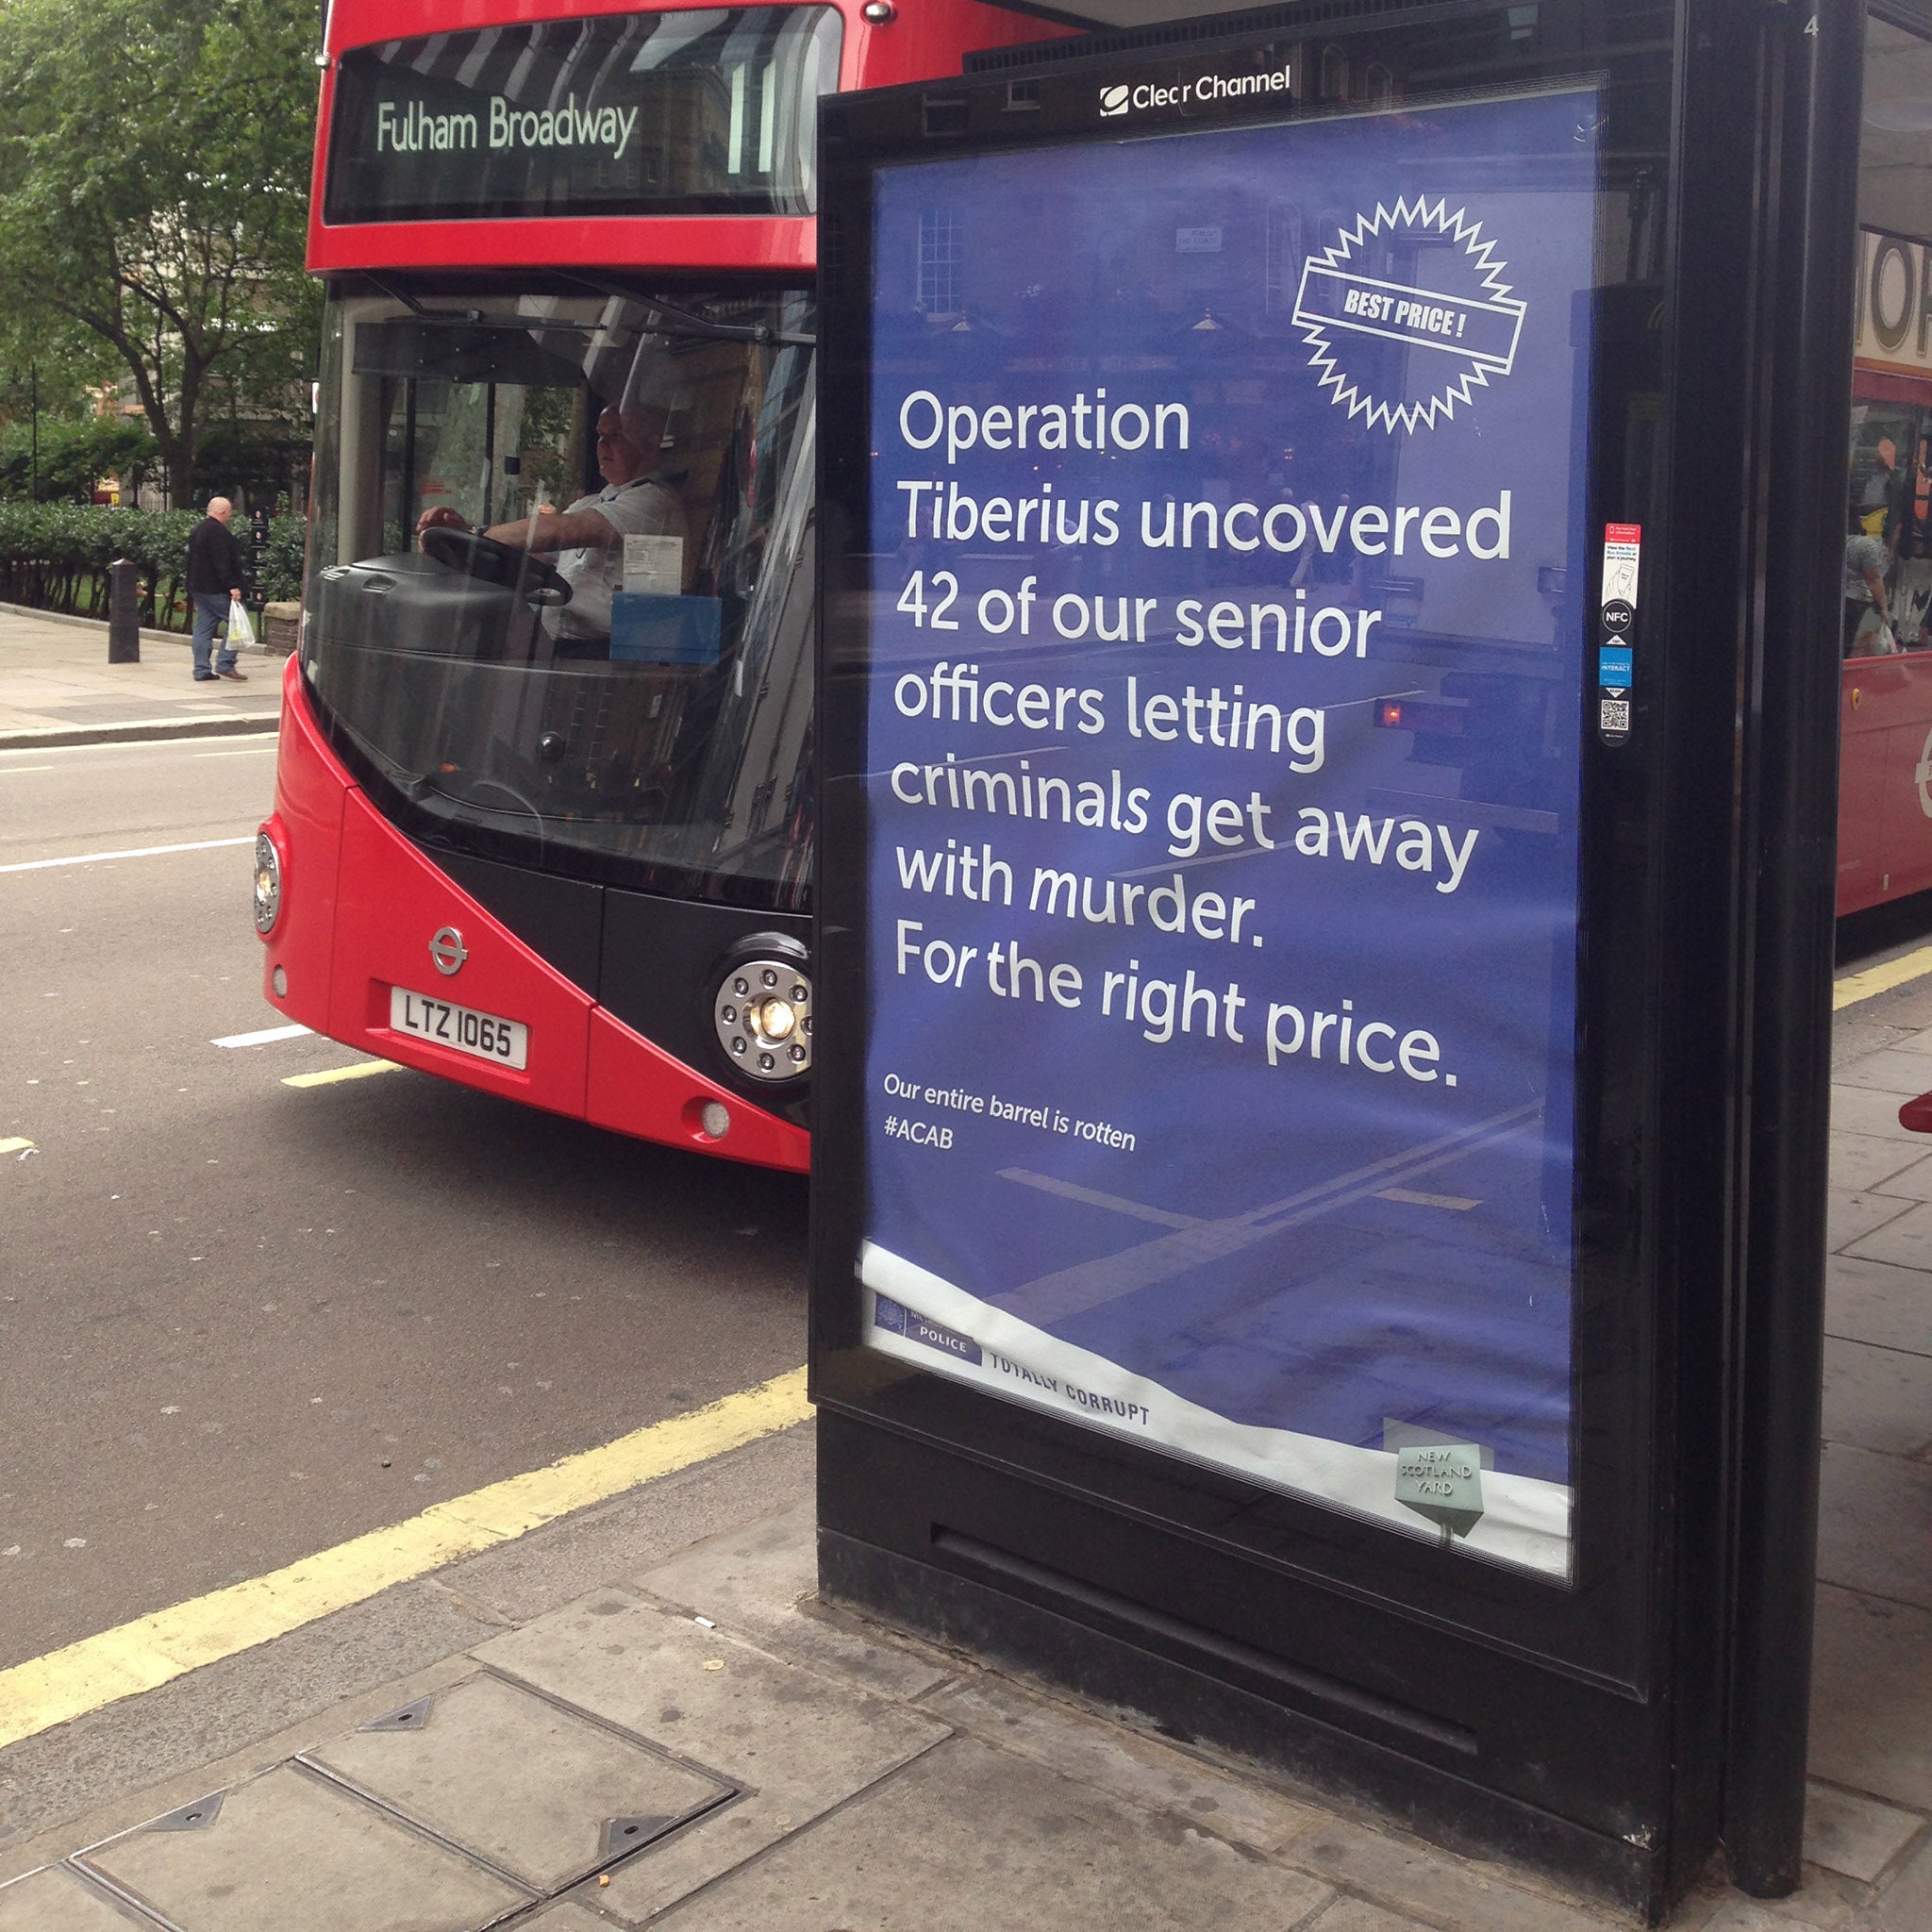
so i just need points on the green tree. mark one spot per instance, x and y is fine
(154, 179)
(72, 456)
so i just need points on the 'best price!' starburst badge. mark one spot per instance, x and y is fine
(1408, 314)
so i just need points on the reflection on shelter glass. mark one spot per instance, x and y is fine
(1889, 511)
(1225, 725)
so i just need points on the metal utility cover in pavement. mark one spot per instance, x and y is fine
(51, 1900)
(538, 1791)
(295, 1853)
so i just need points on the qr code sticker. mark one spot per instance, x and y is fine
(1613, 714)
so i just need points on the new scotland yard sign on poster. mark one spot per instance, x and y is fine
(1225, 714)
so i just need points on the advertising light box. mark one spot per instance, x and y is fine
(1225, 703)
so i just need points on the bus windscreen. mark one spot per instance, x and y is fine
(560, 579)
(705, 111)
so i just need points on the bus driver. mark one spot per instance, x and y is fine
(587, 539)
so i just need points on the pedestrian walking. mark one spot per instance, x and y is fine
(214, 586)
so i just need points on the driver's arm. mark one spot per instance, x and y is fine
(547, 532)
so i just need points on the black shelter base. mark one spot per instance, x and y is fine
(1014, 1613)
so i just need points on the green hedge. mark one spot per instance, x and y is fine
(55, 557)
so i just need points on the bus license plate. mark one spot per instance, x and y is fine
(504, 1042)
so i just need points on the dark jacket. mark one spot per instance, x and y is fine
(215, 558)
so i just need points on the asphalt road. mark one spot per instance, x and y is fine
(240, 1321)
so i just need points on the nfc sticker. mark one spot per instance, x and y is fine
(1616, 657)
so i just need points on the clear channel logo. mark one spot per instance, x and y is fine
(1127, 98)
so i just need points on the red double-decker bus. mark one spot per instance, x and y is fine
(1885, 713)
(542, 818)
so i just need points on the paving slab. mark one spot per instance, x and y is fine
(1879, 1302)
(1857, 1835)
(537, 1790)
(554, 1566)
(1359, 1915)
(1872, 1697)
(54, 1900)
(1119, 1761)
(798, 1741)
(1450, 1893)
(1877, 1398)
(970, 1839)
(1824, 1902)
(1913, 1183)
(1906, 1904)
(295, 1854)
(1750, 1915)
(763, 1580)
(1850, 1216)
(564, 1916)
(1904, 1239)
(1893, 1070)
(1863, 1160)
(1874, 1524)
(1871, 1112)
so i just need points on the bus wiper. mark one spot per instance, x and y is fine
(666, 321)
(705, 328)
(685, 322)
(448, 318)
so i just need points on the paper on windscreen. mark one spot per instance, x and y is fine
(653, 565)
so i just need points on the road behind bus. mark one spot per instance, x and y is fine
(241, 1321)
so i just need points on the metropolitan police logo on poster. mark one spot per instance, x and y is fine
(1421, 276)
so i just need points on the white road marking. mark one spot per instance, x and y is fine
(9, 770)
(264, 1038)
(136, 852)
(251, 750)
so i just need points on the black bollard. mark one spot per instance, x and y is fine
(124, 613)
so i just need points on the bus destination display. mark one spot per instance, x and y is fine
(1224, 716)
(709, 110)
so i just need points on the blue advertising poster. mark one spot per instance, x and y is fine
(1224, 717)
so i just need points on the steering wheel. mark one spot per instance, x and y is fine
(492, 562)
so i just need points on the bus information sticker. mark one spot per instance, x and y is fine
(1615, 656)
(1223, 787)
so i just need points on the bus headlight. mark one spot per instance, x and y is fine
(763, 1015)
(268, 883)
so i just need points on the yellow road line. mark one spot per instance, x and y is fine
(1854, 987)
(360, 1071)
(16, 1145)
(154, 1650)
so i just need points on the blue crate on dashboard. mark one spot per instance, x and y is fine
(646, 629)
